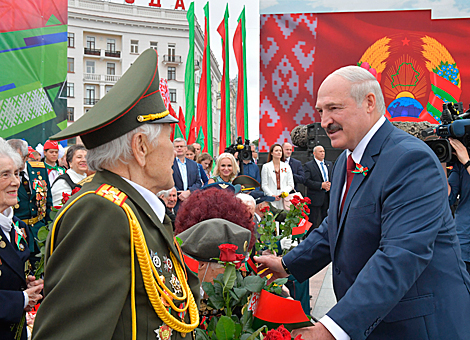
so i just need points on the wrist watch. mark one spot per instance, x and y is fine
(466, 165)
(285, 267)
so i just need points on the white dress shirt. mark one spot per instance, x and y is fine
(62, 186)
(323, 170)
(329, 323)
(183, 172)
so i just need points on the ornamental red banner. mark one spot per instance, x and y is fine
(420, 63)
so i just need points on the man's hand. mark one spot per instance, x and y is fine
(316, 332)
(34, 296)
(277, 198)
(32, 282)
(273, 265)
(460, 150)
(326, 186)
(183, 195)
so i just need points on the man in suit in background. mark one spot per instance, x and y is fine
(296, 165)
(185, 172)
(397, 267)
(317, 181)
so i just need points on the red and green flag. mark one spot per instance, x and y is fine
(225, 139)
(239, 48)
(204, 100)
(189, 72)
(180, 128)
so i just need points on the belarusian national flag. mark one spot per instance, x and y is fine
(189, 72)
(239, 48)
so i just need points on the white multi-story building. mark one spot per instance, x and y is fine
(104, 39)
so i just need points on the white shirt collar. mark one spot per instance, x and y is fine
(361, 147)
(6, 220)
(152, 199)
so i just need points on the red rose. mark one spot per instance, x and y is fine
(265, 209)
(240, 258)
(307, 200)
(65, 197)
(295, 201)
(307, 209)
(74, 191)
(274, 335)
(227, 252)
(285, 333)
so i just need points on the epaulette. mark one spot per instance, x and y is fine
(111, 193)
(86, 180)
(37, 164)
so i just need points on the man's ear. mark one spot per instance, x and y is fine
(370, 102)
(139, 145)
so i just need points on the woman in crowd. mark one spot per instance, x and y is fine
(276, 176)
(206, 162)
(66, 183)
(18, 294)
(191, 154)
(226, 169)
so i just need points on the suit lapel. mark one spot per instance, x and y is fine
(176, 170)
(368, 160)
(11, 257)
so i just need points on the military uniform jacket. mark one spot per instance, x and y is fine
(12, 284)
(88, 276)
(27, 207)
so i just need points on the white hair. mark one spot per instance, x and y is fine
(247, 199)
(7, 151)
(362, 83)
(178, 140)
(120, 149)
(19, 145)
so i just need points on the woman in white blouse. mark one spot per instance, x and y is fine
(276, 176)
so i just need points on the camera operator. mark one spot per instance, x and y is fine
(459, 185)
(250, 168)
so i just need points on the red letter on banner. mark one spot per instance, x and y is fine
(130, 1)
(179, 4)
(152, 3)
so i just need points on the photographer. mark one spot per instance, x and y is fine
(459, 185)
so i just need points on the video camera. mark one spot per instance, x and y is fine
(244, 150)
(455, 125)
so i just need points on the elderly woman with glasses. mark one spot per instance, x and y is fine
(18, 293)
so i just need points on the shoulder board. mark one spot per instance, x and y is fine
(111, 193)
(37, 164)
(86, 180)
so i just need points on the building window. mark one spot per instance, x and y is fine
(90, 95)
(171, 73)
(90, 43)
(111, 69)
(70, 66)
(70, 90)
(154, 45)
(134, 46)
(70, 39)
(70, 116)
(172, 95)
(90, 66)
(111, 45)
(171, 52)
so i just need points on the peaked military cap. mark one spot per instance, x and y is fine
(133, 101)
(203, 239)
(260, 197)
(223, 186)
(247, 183)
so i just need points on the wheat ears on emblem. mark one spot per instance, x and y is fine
(376, 54)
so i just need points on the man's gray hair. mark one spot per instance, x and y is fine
(247, 199)
(177, 140)
(164, 193)
(362, 83)
(118, 150)
(19, 145)
(7, 151)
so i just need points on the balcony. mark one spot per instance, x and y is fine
(100, 78)
(172, 59)
(112, 54)
(90, 101)
(92, 51)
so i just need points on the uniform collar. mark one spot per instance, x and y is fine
(152, 199)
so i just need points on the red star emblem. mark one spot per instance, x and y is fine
(405, 42)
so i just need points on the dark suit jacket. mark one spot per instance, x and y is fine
(297, 171)
(12, 284)
(313, 181)
(397, 266)
(88, 276)
(194, 178)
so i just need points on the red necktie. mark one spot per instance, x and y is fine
(350, 166)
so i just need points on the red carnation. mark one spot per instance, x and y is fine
(74, 191)
(285, 333)
(65, 197)
(227, 252)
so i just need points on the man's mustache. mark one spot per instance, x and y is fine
(332, 128)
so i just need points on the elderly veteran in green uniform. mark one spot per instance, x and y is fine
(113, 269)
(34, 195)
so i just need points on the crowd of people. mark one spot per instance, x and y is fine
(114, 269)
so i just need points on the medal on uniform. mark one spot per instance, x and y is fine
(2, 244)
(164, 332)
(165, 301)
(168, 265)
(175, 283)
(156, 261)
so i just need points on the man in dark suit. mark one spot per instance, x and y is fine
(295, 165)
(317, 181)
(397, 266)
(185, 172)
